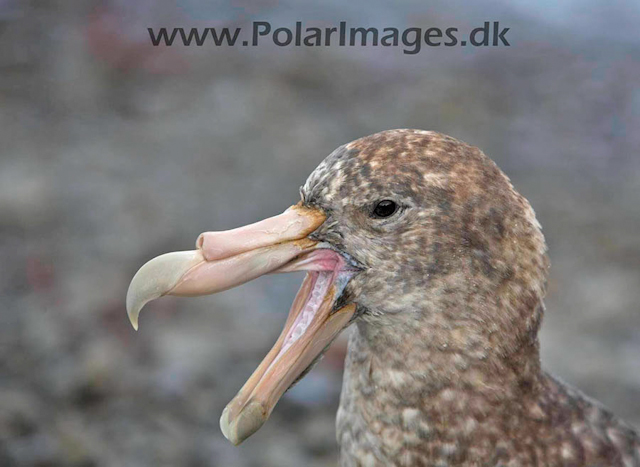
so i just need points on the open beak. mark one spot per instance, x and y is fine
(227, 259)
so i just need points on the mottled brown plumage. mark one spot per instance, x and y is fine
(443, 366)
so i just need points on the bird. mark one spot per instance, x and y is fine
(420, 245)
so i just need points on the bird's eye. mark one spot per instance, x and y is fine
(385, 208)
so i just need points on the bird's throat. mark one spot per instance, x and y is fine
(399, 391)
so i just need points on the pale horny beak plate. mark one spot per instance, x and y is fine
(227, 259)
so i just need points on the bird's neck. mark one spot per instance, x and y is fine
(412, 380)
(419, 356)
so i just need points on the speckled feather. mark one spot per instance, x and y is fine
(443, 366)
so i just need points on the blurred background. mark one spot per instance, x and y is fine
(113, 151)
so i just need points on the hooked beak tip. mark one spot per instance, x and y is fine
(133, 318)
(157, 277)
(134, 305)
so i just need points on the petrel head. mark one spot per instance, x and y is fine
(400, 223)
(434, 225)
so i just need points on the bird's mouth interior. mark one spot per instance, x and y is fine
(312, 324)
(227, 259)
(322, 286)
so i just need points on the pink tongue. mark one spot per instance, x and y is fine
(326, 268)
(322, 282)
(318, 260)
(304, 318)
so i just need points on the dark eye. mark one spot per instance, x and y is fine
(385, 208)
